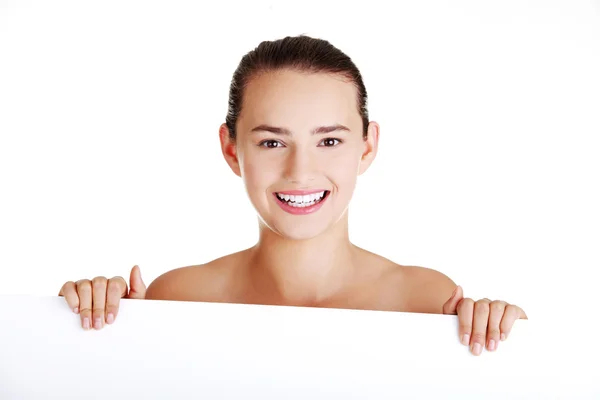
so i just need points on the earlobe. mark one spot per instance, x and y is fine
(229, 150)
(370, 147)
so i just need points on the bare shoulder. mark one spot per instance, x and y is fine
(428, 289)
(419, 289)
(204, 282)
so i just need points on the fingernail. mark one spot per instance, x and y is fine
(86, 323)
(477, 349)
(110, 318)
(492, 345)
(502, 337)
(465, 339)
(97, 323)
(76, 310)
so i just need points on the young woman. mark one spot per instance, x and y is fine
(298, 134)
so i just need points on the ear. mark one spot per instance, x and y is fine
(229, 150)
(370, 150)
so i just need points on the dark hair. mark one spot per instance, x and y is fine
(302, 53)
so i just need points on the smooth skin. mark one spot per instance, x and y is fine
(302, 131)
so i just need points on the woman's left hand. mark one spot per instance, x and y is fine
(482, 323)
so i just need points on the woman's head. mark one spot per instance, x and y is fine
(298, 53)
(298, 121)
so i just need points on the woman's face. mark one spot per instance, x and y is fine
(300, 137)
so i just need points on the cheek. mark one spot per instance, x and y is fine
(343, 170)
(258, 173)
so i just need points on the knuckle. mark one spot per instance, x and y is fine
(494, 332)
(99, 282)
(482, 308)
(465, 303)
(85, 311)
(118, 279)
(117, 282)
(497, 306)
(98, 311)
(478, 337)
(84, 286)
(465, 327)
(82, 282)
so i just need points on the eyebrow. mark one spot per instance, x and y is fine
(284, 131)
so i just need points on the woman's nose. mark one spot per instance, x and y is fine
(300, 167)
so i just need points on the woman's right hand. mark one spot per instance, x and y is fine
(97, 300)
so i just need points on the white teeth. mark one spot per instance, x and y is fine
(301, 201)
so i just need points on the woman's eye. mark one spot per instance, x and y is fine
(271, 144)
(330, 142)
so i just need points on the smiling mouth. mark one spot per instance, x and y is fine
(302, 201)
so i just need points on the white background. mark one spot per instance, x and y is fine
(488, 163)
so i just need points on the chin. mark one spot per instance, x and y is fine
(292, 230)
(300, 231)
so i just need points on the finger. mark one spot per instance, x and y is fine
(481, 315)
(465, 320)
(511, 314)
(69, 291)
(449, 306)
(84, 292)
(117, 288)
(493, 330)
(137, 288)
(523, 315)
(98, 300)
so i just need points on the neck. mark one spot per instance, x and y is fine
(302, 272)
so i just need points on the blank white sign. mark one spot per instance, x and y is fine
(164, 349)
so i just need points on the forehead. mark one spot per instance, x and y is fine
(299, 99)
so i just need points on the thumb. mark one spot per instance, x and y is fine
(452, 303)
(137, 288)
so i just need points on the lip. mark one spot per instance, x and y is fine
(301, 210)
